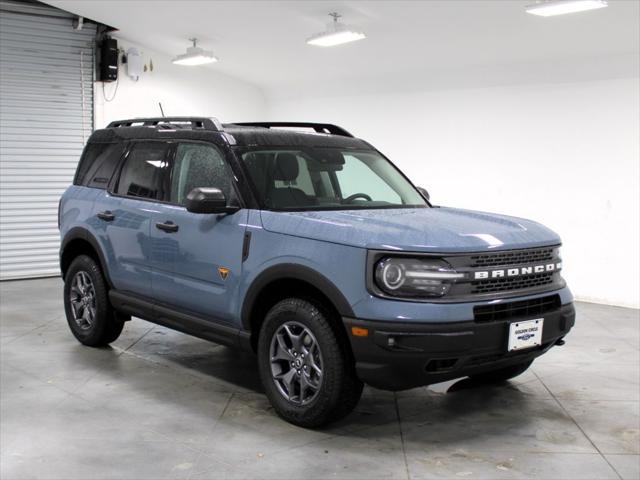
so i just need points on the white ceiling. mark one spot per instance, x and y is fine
(410, 44)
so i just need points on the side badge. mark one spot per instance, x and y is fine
(224, 272)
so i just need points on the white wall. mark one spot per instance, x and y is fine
(566, 155)
(183, 91)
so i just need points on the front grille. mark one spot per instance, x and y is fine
(521, 308)
(493, 274)
(515, 283)
(515, 257)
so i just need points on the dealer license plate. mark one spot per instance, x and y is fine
(526, 334)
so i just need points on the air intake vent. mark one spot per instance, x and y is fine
(520, 309)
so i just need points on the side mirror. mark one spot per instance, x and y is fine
(423, 192)
(208, 200)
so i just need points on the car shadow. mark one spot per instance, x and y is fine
(225, 365)
(427, 415)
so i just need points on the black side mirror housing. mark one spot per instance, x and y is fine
(208, 200)
(424, 193)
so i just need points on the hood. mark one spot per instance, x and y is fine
(413, 229)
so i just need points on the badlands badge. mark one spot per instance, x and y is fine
(224, 272)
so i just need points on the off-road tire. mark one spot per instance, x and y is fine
(107, 324)
(340, 389)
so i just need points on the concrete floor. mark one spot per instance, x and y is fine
(159, 404)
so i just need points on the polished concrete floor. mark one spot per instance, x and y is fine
(159, 404)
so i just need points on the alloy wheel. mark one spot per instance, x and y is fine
(296, 363)
(82, 296)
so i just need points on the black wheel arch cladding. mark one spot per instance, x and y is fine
(81, 235)
(292, 271)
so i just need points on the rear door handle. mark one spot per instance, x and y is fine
(107, 216)
(168, 227)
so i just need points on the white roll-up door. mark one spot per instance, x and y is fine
(46, 115)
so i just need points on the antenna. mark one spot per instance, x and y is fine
(161, 110)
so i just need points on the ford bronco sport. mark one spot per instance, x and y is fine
(308, 247)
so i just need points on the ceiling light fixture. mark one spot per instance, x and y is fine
(336, 34)
(195, 56)
(561, 7)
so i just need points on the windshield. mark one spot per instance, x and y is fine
(327, 178)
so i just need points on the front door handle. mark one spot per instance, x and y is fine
(107, 216)
(167, 226)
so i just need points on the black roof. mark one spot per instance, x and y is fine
(248, 134)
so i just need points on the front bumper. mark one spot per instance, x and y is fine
(398, 356)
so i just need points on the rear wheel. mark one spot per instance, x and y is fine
(503, 374)
(90, 316)
(305, 365)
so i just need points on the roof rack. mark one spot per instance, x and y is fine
(317, 127)
(170, 122)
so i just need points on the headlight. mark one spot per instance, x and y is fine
(415, 277)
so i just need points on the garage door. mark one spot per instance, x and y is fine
(46, 114)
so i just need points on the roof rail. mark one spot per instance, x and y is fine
(194, 122)
(318, 127)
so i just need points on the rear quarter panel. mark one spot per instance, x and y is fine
(76, 208)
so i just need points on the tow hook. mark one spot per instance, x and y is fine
(560, 342)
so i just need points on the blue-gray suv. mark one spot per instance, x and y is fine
(307, 246)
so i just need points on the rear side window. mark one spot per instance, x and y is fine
(144, 171)
(98, 162)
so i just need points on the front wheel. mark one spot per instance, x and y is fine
(305, 365)
(90, 316)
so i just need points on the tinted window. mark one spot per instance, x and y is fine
(89, 155)
(198, 165)
(144, 171)
(99, 161)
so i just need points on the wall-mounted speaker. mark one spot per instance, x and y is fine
(108, 69)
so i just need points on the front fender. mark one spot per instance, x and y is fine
(294, 271)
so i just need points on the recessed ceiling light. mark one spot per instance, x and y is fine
(195, 56)
(560, 7)
(336, 34)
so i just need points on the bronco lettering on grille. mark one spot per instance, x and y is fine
(517, 271)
